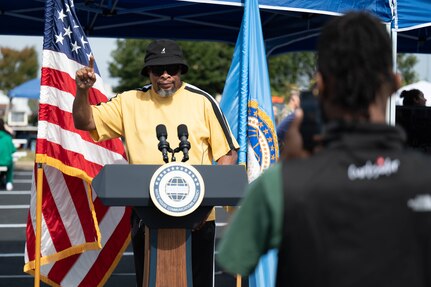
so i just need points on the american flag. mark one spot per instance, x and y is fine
(82, 240)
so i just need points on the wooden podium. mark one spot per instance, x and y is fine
(167, 259)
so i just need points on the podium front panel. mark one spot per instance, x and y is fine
(128, 185)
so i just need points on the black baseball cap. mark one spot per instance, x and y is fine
(164, 52)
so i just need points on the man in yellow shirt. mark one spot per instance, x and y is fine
(134, 115)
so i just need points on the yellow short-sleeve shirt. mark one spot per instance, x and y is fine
(134, 115)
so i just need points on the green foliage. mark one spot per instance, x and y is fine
(128, 60)
(405, 65)
(208, 64)
(17, 67)
(291, 71)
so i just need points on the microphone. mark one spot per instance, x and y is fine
(163, 146)
(184, 146)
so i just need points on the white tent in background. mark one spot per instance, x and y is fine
(4, 104)
(423, 86)
(4, 100)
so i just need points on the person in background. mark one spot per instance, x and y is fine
(413, 97)
(294, 101)
(282, 129)
(135, 115)
(9, 129)
(283, 126)
(415, 118)
(7, 149)
(358, 211)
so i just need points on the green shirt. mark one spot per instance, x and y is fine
(7, 148)
(256, 226)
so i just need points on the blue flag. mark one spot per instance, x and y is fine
(246, 100)
(247, 105)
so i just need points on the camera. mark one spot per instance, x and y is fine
(312, 123)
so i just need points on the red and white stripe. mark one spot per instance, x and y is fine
(70, 251)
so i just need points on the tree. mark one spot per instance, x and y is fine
(291, 71)
(17, 66)
(405, 65)
(208, 64)
(128, 60)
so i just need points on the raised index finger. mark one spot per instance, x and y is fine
(91, 64)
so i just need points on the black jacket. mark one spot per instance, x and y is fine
(358, 213)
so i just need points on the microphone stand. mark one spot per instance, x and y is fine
(173, 155)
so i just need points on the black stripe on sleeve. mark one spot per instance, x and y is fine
(217, 111)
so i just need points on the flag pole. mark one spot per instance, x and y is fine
(38, 224)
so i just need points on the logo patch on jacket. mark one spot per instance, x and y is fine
(421, 203)
(373, 170)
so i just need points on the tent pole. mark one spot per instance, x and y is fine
(392, 30)
(390, 107)
(38, 224)
(394, 34)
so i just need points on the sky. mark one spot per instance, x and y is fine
(102, 48)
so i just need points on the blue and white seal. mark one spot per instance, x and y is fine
(177, 189)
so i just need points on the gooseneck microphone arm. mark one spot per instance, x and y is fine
(184, 145)
(163, 145)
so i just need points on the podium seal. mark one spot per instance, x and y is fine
(177, 189)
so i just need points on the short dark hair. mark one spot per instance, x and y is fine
(355, 60)
(2, 126)
(410, 97)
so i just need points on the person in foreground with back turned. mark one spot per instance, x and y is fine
(135, 115)
(357, 212)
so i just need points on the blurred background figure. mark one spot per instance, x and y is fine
(294, 102)
(415, 118)
(283, 125)
(279, 107)
(7, 148)
(282, 129)
(413, 97)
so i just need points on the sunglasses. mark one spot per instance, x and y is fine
(160, 70)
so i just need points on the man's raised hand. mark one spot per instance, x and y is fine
(85, 77)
